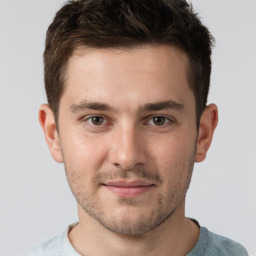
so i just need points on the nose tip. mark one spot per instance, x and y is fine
(128, 150)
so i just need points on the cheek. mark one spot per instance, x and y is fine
(172, 150)
(85, 153)
(173, 156)
(82, 159)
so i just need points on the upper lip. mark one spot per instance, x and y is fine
(122, 183)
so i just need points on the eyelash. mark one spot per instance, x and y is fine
(89, 120)
(150, 120)
(167, 120)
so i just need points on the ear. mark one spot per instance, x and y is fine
(208, 123)
(48, 125)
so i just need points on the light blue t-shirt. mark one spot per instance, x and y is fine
(209, 244)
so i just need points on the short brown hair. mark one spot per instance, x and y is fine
(127, 23)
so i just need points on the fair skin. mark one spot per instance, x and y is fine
(128, 138)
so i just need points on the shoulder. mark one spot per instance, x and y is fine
(57, 246)
(220, 245)
(49, 248)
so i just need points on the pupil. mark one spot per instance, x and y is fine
(97, 120)
(159, 120)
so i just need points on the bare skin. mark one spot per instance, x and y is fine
(161, 241)
(128, 139)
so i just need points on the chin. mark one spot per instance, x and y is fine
(133, 222)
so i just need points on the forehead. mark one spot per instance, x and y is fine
(149, 73)
(137, 58)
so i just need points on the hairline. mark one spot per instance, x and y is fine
(80, 50)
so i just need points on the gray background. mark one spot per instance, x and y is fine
(35, 199)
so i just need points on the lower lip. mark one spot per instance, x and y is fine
(128, 191)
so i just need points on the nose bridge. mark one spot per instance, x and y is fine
(127, 148)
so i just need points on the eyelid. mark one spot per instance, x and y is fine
(91, 117)
(168, 118)
(85, 119)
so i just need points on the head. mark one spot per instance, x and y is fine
(127, 24)
(127, 85)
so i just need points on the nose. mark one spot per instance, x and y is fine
(128, 149)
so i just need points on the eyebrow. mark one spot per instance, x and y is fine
(89, 105)
(169, 104)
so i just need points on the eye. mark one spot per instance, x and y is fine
(159, 120)
(96, 123)
(96, 120)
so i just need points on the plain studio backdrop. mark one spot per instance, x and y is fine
(36, 202)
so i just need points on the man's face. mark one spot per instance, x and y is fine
(127, 131)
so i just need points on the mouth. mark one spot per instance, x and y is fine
(128, 189)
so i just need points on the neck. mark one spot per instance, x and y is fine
(176, 236)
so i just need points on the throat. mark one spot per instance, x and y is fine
(175, 238)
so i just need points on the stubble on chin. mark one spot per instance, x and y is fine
(133, 221)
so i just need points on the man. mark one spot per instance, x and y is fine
(127, 84)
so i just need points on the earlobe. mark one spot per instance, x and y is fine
(48, 125)
(208, 123)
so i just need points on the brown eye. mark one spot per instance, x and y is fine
(97, 120)
(159, 120)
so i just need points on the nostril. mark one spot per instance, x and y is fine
(123, 167)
